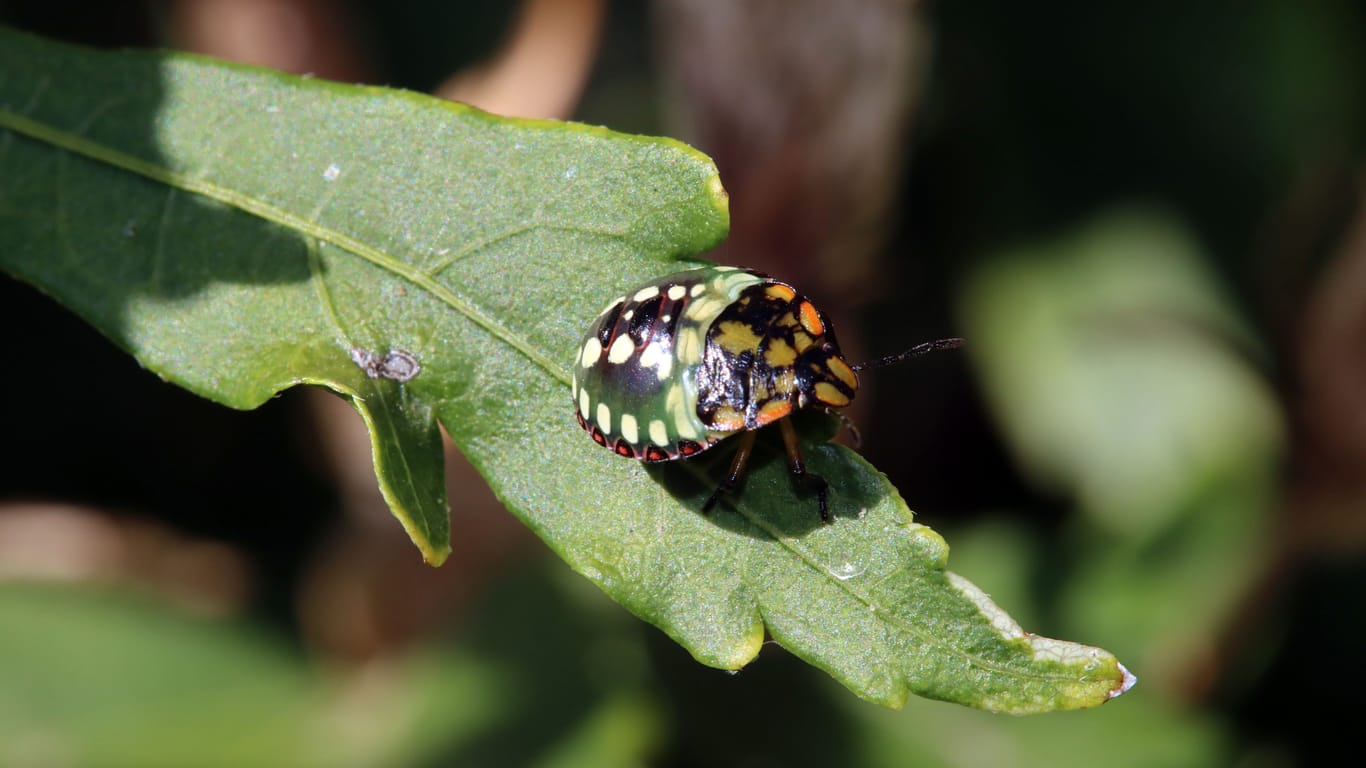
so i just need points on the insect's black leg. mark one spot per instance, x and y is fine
(744, 446)
(798, 466)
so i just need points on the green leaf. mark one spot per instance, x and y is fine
(98, 676)
(241, 231)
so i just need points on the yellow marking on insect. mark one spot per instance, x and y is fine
(843, 372)
(592, 350)
(784, 381)
(688, 346)
(736, 337)
(698, 290)
(705, 308)
(604, 418)
(685, 423)
(773, 410)
(780, 354)
(731, 284)
(621, 350)
(659, 434)
(830, 395)
(802, 341)
(629, 428)
(648, 292)
(727, 419)
(677, 292)
(684, 426)
(583, 404)
(780, 292)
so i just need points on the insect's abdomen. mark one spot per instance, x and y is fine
(635, 379)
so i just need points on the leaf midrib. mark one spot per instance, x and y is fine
(79, 145)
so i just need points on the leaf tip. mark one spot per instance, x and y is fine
(436, 555)
(1127, 680)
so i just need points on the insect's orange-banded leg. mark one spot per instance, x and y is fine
(744, 447)
(794, 460)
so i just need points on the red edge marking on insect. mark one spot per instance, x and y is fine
(597, 436)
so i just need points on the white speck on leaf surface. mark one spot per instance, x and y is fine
(332, 172)
(846, 571)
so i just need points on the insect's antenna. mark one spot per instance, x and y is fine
(916, 351)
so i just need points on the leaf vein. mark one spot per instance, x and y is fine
(79, 145)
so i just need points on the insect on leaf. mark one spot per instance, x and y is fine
(241, 231)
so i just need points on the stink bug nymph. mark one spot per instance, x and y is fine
(677, 365)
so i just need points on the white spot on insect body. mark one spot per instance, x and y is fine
(650, 356)
(677, 292)
(583, 404)
(592, 350)
(630, 429)
(698, 290)
(574, 385)
(628, 314)
(659, 434)
(332, 172)
(648, 292)
(621, 351)
(604, 418)
(657, 357)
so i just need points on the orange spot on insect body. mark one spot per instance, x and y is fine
(811, 319)
(780, 292)
(773, 410)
